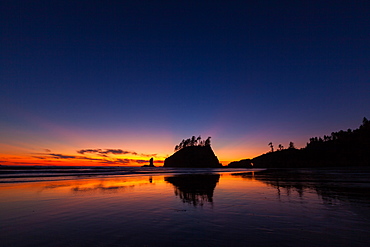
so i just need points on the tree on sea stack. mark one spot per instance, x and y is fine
(193, 152)
(191, 142)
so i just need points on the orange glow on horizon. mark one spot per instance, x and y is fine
(86, 160)
(13, 160)
(138, 153)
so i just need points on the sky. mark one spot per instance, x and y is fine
(118, 82)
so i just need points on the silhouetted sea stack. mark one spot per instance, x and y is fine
(193, 157)
(151, 161)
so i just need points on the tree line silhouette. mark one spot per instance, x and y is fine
(193, 141)
(341, 148)
(281, 147)
(357, 136)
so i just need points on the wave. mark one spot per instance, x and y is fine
(17, 174)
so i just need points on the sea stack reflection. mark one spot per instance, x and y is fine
(195, 189)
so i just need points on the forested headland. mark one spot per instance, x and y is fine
(345, 148)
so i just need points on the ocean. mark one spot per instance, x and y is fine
(134, 206)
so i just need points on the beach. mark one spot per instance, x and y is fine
(135, 206)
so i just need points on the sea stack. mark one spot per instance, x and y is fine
(193, 157)
(151, 163)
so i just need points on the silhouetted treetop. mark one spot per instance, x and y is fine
(291, 145)
(271, 146)
(193, 141)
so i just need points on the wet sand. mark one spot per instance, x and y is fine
(305, 207)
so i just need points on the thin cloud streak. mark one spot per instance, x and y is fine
(105, 152)
(100, 152)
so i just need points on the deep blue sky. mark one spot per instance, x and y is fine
(120, 72)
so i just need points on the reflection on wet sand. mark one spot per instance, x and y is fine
(329, 184)
(195, 189)
(100, 188)
(92, 186)
(143, 211)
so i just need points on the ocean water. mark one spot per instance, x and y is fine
(184, 207)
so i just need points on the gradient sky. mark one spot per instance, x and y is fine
(130, 79)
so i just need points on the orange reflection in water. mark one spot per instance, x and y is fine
(100, 186)
(232, 181)
(189, 188)
(168, 209)
(81, 194)
(91, 185)
(128, 190)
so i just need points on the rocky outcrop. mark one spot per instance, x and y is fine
(193, 157)
(246, 163)
(151, 161)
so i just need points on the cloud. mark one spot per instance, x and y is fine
(148, 155)
(87, 158)
(40, 157)
(116, 161)
(141, 161)
(103, 159)
(53, 155)
(104, 152)
(47, 150)
(83, 151)
(123, 161)
(62, 156)
(117, 151)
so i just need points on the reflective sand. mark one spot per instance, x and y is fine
(208, 209)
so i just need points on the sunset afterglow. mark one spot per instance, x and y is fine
(184, 123)
(140, 77)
